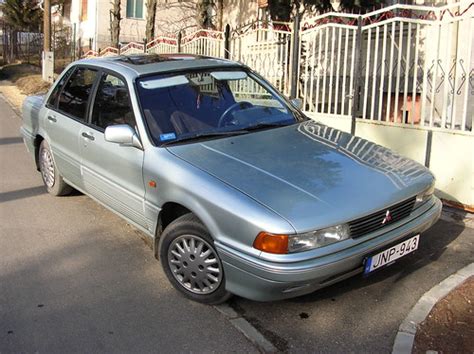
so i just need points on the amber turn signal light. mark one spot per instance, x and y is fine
(271, 243)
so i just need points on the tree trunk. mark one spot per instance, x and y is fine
(47, 25)
(220, 15)
(150, 20)
(115, 19)
(6, 57)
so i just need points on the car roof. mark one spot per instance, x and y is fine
(147, 64)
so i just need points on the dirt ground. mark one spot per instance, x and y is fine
(12, 94)
(449, 328)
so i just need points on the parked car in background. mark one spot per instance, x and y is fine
(239, 191)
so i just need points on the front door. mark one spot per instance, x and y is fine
(113, 173)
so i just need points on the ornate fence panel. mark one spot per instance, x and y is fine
(109, 52)
(416, 65)
(91, 54)
(162, 44)
(132, 48)
(266, 49)
(204, 42)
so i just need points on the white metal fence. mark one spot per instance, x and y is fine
(402, 65)
(204, 42)
(266, 49)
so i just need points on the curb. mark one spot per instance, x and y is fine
(405, 338)
(247, 329)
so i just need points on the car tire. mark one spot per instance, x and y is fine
(49, 173)
(191, 262)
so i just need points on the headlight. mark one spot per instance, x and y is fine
(319, 238)
(424, 196)
(283, 244)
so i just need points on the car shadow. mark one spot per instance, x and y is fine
(22, 193)
(11, 140)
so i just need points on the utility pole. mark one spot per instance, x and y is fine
(48, 55)
(47, 25)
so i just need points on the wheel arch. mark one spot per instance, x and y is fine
(37, 142)
(169, 212)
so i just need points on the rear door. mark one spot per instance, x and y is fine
(66, 116)
(113, 173)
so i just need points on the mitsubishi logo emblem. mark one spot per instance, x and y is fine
(387, 218)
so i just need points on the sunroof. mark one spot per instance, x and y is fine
(143, 59)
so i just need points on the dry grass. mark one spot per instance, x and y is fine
(26, 77)
(32, 85)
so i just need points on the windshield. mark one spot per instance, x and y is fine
(209, 103)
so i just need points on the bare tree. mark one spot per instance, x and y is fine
(220, 14)
(150, 20)
(115, 18)
(176, 15)
(203, 16)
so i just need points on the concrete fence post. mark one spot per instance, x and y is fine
(294, 57)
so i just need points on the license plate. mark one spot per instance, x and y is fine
(391, 254)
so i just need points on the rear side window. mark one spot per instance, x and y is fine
(75, 95)
(53, 98)
(112, 103)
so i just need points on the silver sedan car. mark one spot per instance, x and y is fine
(239, 192)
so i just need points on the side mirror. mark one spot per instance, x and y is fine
(122, 134)
(297, 102)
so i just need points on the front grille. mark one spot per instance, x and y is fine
(373, 222)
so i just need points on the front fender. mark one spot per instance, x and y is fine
(232, 218)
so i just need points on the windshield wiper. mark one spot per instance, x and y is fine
(266, 125)
(204, 135)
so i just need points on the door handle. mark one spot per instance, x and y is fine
(52, 119)
(88, 136)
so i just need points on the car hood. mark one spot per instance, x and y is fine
(308, 173)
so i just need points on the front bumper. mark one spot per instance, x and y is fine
(261, 280)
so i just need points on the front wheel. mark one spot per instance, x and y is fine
(191, 262)
(49, 173)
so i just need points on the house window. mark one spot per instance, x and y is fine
(135, 8)
(83, 10)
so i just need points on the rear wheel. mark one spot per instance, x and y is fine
(49, 173)
(191, 262)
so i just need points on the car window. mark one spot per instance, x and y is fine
(73, 98)
(53, 98)
(112, 103)
(177, 106)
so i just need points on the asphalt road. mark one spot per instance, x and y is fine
(75, 277)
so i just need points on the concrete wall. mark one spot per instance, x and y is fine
(97, 25)
(452, 153)
(238, 12)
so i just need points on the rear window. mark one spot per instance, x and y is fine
(75, 95)
(53, 98)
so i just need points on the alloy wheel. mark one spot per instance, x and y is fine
(47, 167)
(195, 264)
